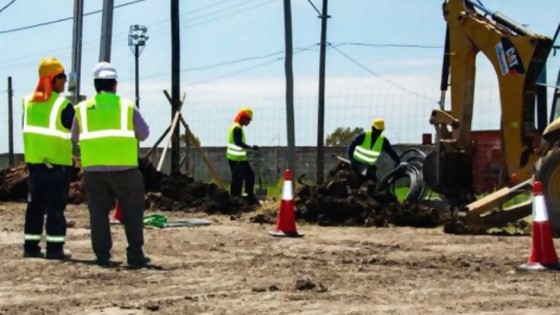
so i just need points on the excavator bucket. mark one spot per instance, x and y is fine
(449, 174)
(477, 216)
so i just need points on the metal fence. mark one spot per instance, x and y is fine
(209, 118)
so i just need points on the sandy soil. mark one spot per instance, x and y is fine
(234, 267)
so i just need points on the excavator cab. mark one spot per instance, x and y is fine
(519, 57)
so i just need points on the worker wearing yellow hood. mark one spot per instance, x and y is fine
(47, 119)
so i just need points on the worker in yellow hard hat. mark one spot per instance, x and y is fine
(366, 147)
(48, 158)
(236, 154)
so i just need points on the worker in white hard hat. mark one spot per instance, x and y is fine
(47, 118)
(366, 147)
(107, 129)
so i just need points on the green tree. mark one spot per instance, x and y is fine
(342, 136)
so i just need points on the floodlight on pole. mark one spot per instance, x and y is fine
(137, 39)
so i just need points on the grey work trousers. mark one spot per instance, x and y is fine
(102, 189)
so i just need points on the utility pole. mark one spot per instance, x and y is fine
(321, 116)
(175, 84)
(10, 123)
(106, 31)
(288, 68)
(74, 84)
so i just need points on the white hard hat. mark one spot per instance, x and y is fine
(104, 70)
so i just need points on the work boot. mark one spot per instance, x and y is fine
(33, 254)
(252, 200)
(103, 261)
(140, 262)
(61, 254)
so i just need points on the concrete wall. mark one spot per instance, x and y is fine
(274, 161)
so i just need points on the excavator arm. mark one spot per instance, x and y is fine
(517, 55)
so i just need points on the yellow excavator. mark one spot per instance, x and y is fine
(530, 138)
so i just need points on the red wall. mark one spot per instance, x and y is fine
(487, 160)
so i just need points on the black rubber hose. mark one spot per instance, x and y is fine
(410, 167)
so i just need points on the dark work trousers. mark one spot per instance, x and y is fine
(47, 194)
(102, 190)
(241, 171)
(370, 174)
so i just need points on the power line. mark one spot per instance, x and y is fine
(381, 77)
(206, 7)
(250, 68)
(188, 13)
(64, 19)
(230, 62)
(7, 5)
(388, 45)
(214, 16)
(218, 17)
(233, 62)
(314, 7)
(161, 30)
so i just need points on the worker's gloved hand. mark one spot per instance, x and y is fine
(256, 147)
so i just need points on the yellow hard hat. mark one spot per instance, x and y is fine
(50, 67)
(378, 123)
(247, 111)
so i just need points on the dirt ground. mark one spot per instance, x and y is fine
(234, 267)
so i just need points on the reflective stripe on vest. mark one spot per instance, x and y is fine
(107, 135)
(124, 132)
(51, 129)
(235, 152)
(45, 139)
(364, 154)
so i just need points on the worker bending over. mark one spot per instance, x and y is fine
(366, 147)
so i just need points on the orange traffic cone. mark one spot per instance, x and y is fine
(286, 221)
(543, 255)
(118, 216)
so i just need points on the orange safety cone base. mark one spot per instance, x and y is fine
(286, 221)
(117, 216)
(282, 234)
(543, 254)
(538, 267)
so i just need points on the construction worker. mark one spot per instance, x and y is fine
(47, 118)
(107, 129)
(366, 147)
(241, 170)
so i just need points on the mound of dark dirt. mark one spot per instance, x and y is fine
(457, 225)
(13, 184)
(346, 199)
(165, 192)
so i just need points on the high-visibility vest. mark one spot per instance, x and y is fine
(235, 152)
(45, 139)
(364, 154)
(107, 131)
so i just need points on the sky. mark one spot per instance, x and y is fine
(232, 56)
